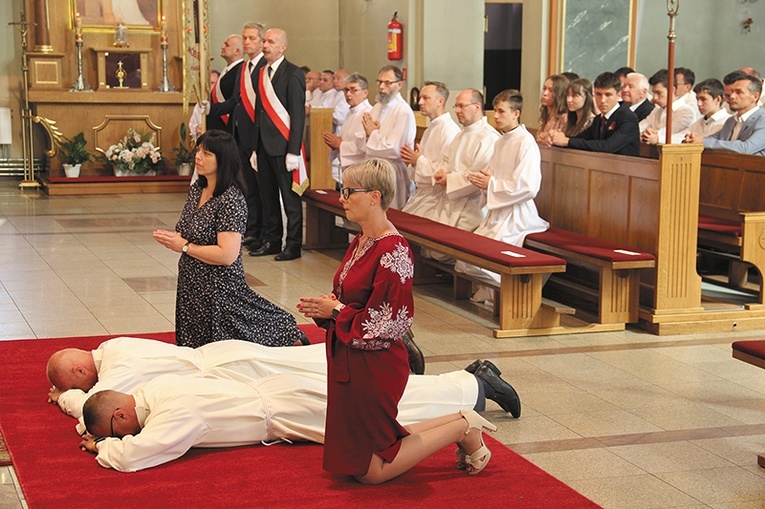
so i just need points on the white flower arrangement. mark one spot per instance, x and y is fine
(135, 154)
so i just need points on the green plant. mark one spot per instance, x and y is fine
(186, 149)
(73, 151)
(135, 153)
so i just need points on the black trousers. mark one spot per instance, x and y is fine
(274, 181)
(254, 203)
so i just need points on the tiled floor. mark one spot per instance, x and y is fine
(629, 419)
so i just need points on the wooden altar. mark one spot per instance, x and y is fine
(105, 113)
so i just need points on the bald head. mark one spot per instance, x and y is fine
(72, 368)
(232, 49)
(274, 44)
(338, 80)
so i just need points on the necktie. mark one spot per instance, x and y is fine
(737, 128)
(270, 71)
(249, 67)
(603, 122)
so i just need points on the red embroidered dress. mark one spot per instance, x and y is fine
(366, 359)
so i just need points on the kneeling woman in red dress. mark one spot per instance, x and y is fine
(368, 313)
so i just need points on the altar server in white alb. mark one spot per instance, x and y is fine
(428, 156)
(470, 152)
(389, 126)
(349, 146)
(511, 183)
(123, 364)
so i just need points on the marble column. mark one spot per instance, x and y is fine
(42, 31)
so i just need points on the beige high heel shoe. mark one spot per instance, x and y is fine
(480, 458)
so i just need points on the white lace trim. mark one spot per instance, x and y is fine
(399, 263)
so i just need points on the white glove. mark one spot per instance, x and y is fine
(254, 161)
(292, 162)
(205, 106)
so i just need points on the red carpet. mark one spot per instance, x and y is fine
(54, 473)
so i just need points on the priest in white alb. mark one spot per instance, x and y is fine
(389, 126)
(428, 156)
(462, 204)
(511, 182)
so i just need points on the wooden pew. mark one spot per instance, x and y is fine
(751, 352)
(732, 211)
(522, 311)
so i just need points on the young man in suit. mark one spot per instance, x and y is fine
(744, 132)
(614, 131)
(278, 139)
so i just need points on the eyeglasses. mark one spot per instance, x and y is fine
(463, 106)
(387, 83)
(346, 192)
(352, 90)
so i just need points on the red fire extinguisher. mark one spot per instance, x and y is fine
(395, 39)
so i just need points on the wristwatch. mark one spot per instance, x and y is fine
(185, 247)
(336, 311)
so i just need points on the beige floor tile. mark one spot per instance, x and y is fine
(532, 428)
(564, 402)
(66, 327)
(670, 457)
(751, 504)
(632, 492)
(127, 325)
(583, 464)
(717, 485)
(8, 497)
(605, 422)
(741, 451)
(16, 330)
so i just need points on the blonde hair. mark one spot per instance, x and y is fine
(376, 175)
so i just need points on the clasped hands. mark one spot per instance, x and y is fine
(555, 137)
(332, 140)
(318, 307)
(171, 240)
(480, 179)
(370, 124)
(409, 156)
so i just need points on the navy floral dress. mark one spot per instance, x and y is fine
(213, 302)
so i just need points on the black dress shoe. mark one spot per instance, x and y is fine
(416, 358)
(504, 394)
(289, 253)
(268, 248)
(473, 366)
(252, 243)
(492, 367)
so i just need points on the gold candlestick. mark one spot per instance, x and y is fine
(77, 28)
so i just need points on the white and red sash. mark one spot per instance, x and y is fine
(217, 97)
(246, 92)
(281, 119)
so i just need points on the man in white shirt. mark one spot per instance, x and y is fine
(744, 132)
(709, 97)
(469, 152)
(684, 80)
(428, 156)
(634, 93)
(389, 126)
(349, 146)
(511, 182)
(653, 127)
(328, 93)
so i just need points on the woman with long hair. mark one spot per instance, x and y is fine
(553, 111)
(581, 106)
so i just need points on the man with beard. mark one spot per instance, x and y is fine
(389, 126)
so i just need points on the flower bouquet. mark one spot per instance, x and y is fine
(135, 154)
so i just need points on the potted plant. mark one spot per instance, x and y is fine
(184, 152)
(134, 155)
(72, 154)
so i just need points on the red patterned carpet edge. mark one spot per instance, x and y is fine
(53, 472)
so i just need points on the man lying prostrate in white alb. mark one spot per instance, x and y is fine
(123, 364)
(165, 417)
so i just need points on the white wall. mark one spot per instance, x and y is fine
(709, 37)
(10, 67)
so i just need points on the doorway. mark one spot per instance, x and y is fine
(502, 48)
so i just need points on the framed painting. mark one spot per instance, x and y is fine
(106, 14)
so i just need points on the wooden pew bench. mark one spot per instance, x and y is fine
(522, 272)
(614, 293)
(732, 213)
(751, 352)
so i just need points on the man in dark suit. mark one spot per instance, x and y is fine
(744, 132)
(227, 84)
(279, 121)
(634, 93)
(241, 108)
(614, 131)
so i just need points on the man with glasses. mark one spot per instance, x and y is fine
(469, 152)
(389, 126)
(428, 156)
(349, 145)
